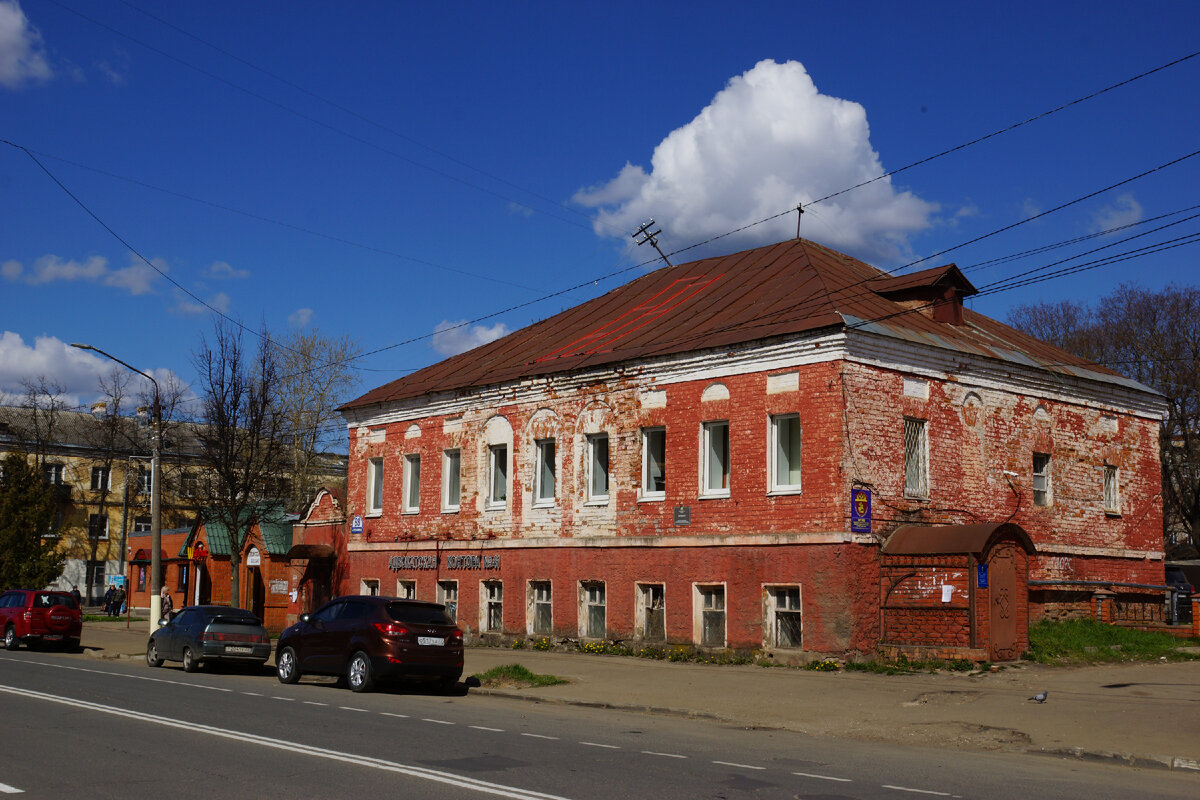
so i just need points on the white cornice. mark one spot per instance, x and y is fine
(871, 346)
(604, 542)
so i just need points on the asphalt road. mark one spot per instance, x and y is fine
(76, 727)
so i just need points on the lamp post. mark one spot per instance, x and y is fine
(155, 476)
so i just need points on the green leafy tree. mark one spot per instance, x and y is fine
(28, 511)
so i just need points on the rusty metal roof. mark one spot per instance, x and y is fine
(775, 291)
(953, 539)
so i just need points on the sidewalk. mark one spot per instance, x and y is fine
(1144, 714)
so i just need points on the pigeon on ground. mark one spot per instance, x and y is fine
(1040, 697)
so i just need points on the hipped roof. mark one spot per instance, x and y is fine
(783, 289)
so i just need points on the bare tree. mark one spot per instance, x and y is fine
(1153, 337)
(315, 373)
(240, 435)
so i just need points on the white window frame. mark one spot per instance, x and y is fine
(189, 484)
(780, 478)
(103, 536)
(53, 473)
(374, 486)
(143, 524)
(707, 489)
(447, 595)
(451, 479)
(412, 484)
(593, 595)
(498, 467)
(406, 589)
(1042, 486)
(643, 605)
(597, 445)
(1112, 489)
(916, 458)
(701, 607)
(491, 598)
(369, 586)
(649, 434)
(541, 594)
(105, 482)
(545, 454)
(772, 595)
(145, 480)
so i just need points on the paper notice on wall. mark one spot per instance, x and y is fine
(946, 592)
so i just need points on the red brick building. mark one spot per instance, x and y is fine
(716, 453)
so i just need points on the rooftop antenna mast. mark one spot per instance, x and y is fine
(799, 214)
(646, 235)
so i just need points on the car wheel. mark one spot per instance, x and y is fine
(190, 662)
(286, 666)
(358, 674)
(152, 658)
(10, 639)
(72, 646)
(446, 685)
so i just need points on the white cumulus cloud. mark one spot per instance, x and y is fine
(22, 57)
(452, 338)
(188, 306)
(767, 141)
(300, 317)
(221, 270)
(1120, 212)
(137, 278)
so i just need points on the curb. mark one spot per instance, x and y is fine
(1121, 759)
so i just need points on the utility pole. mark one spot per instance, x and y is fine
(651, 237)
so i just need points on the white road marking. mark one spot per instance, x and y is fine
(740, 766)
(436, 721)
(6, 789)
(482, 728)
(123, 675)
(597, 744)
(822, 777)
(314, 703)
(390, 714)
(664, 755)
(253, 694)
(915, 791)
(539, 736)
(243, 737)
(352, 708)
(288, 699)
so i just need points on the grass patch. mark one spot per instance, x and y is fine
(515, 676)
(903, 666)
(106, 618)
(1086, 641)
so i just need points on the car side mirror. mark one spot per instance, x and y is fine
(162, 623)
(306, 618)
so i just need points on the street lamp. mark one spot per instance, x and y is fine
(155, 475)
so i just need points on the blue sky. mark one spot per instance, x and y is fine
(388, 170)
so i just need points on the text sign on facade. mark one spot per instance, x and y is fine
(683, 515)
(981, 571)
(860, 511)
(279, 587)
(356, 524)
(253, 558)
(397, 563)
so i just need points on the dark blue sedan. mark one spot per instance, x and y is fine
(198, 635)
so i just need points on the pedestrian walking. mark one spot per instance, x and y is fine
(78, 597)
(119, 601)
(167, 602)
(108, 599)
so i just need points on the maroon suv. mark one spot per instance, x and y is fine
(364, 639)
(40, 616)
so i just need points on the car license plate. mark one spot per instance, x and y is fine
(237, 648)
(52, 637)
(433, 640)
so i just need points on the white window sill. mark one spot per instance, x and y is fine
(410, 511)
(596, 502)
(715, 496)
(784, 491)
(543, 504)
(374, 514)
(658, 497)
(496, 507)
(450, 510)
